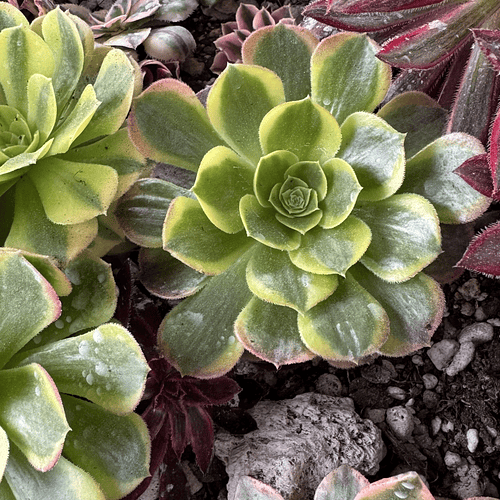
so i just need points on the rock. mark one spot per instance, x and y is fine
(441, 353)
(328, 384)
(477, 333)
(461, 359)
(430, 381)
(401, 422)
(298, 442)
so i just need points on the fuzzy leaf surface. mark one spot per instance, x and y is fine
(343, 483)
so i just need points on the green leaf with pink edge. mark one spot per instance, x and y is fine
(47, 267)
(332, 251)
(83, 190)
(4, 452)
(141, 211)
(114, 89)
(376, 153)
(62, 36)
(249, 488)
(415, 309)
(349, 324)
(270, 332)
(63, 481)
(27, 313)
(114, 449)
(34, 232)
(418, 116)
(190, 236)
(166, 277)
(29, 396)
(221, 166)
(115, 151)
(359, 85)
(105, 366)
(405, 236)
(273, 278)
(274, 47)
(483, 253)
(303, 128)
(92, 300)
(430, 174)
(76, 122)
(271, 171)
(343, 483)
(237, 102)
(197, 336)
(168, 123)
(262, 225)
(342, 193)
(408, 484)
(21, 44)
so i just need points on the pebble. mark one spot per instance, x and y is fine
(467, 309)
(452, 460)
(441, 353)
(417, 360)
(448, 426)
(470, 289)
(328, 384)
(477, 333)
(430, 399)
(480, 315)
(472, 440)
(376, 415)
(436, 425)
(396, 393)
(461, 359)
(430, 381)
(401, 422)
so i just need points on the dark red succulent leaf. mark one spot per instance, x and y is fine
(173, 481)
(245, 15)
(476, 172)
(489, 43)
(494, 156)
(200, 433)
(177, 425)
(153, 70)
(359, 6)
(262, 18)
(483, 253)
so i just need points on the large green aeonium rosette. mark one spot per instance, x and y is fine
(311, 227)
(64, 156)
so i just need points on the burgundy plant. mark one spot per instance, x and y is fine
(432, 41)
(177, 409)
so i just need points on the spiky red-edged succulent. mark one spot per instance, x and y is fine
(347, 484)
(432, 41)
(305, 232)
(248, 19)
(177, 408)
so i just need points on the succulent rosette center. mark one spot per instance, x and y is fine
(312, 227)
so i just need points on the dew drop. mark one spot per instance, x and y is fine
(59, 324)
(74, 277)
(37, 391)
(327, 101)
(401, 494)
(98, 336)
(408, 485)
(84, 373)
(108, 387)
(101, 369)
(101, 278)
(96, 350)
(69, 319)
(37, 339)
(98, 391)
(78, 407)
(84, 348)
(231, 339)
(90, 379)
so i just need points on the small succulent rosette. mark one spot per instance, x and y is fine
(68, 383)
(64, 156)
(307, 228)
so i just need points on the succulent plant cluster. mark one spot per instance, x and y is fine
(68, 383)
(348, 484)
(310, 219)
(62, 106)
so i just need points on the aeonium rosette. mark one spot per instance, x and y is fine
(310, 226)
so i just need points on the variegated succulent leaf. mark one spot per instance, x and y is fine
(47, 109)
(303, 212)
(47, 446)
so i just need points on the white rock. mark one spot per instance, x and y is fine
(472, 440)
(461, 359)
(430, 381)
(401, 422)
(477, 333)
(441, 353)
(452, 460)
(298, 442)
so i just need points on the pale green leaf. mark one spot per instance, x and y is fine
(5, 491)
(168, 123)
(273, 278)
(274, 47)
(10, 16)
(270, 332)
(249, 488)
(332, 251)
(346, 76)
(64, 481)
(105, 366)
(237, 103)
(113, 449)
(262, 225)
(190, 236)
(343, 483)
(27, 303)
(16, 166)
(347, 325)
(376, 153)
(430, 174)
(405, 235)
(42, 106)
(32, 414)
(415, 309)
(4, 453)
(303, 128)
(197, 336)
(301, 224)
(223, 178)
